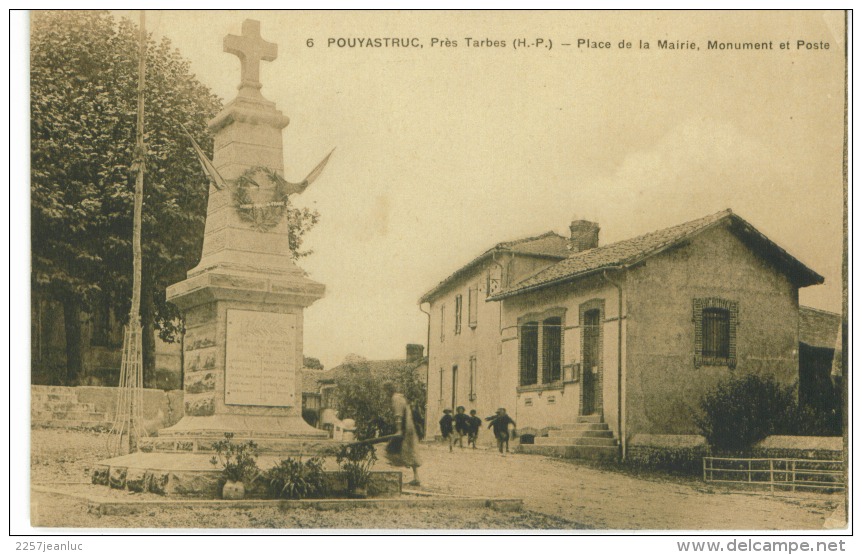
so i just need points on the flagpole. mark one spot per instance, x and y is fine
(139, 181)
(136, 381)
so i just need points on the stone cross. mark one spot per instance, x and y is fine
(250, 48)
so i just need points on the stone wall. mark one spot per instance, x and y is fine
(684, 453)
(100, 362)
(801, 447)
(161, 408)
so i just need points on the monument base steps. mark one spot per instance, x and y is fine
(193, 475)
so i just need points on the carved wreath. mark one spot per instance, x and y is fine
(261, 216)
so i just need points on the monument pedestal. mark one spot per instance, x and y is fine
(242, 356)
(242, 359)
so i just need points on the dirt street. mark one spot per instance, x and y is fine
(558, 494)
(606, 499)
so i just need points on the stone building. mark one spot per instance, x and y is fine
(606, 342)
(465, 347)
(819, 364)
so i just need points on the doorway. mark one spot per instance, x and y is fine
(592, 363)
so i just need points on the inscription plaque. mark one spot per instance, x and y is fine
(260, 365)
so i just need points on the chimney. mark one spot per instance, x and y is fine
(585, 235)
(415, 352)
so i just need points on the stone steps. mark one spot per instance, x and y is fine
(581, 441)
(77, 414)
(58, 407)
(591, 419)
(584, 426)
(590, 452)
(64, 406)
(54, 398)
(588, 438)
(265, 446)
(192, 475)
(50, 389)
(86, 424)
(580, 433)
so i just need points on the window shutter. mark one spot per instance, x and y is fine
(473, 378)
(442, 322)
(697, 318)
(733, 308)
(551, 349)
(473, 308)
(529, 356)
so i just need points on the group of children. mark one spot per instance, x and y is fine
(454, 428)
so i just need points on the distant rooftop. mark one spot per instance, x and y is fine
(819, 328)
(547, 245)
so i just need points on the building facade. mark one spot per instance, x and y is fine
(465, 347)
(628, 336)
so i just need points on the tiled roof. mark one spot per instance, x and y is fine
(819, 328)
(310, 378)
(629, 251)
(548, 245)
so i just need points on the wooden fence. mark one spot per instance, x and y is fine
(792, 474)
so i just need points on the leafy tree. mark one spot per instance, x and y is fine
(312, 363)
(83, 114)
(361, 395)
(743, 410)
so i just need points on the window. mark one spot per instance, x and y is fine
(552, 335)
(529, 353)
(442, 322)
(716, 332)
(715, 322)
(541, 348)
(458, 303)
(473, 378)
(473, 305)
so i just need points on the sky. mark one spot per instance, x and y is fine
(444, 151)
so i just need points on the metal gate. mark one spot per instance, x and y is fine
(792, 474)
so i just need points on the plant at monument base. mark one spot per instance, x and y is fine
(356, 461)
(743, 410)
(295, 479)
(238, 462)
